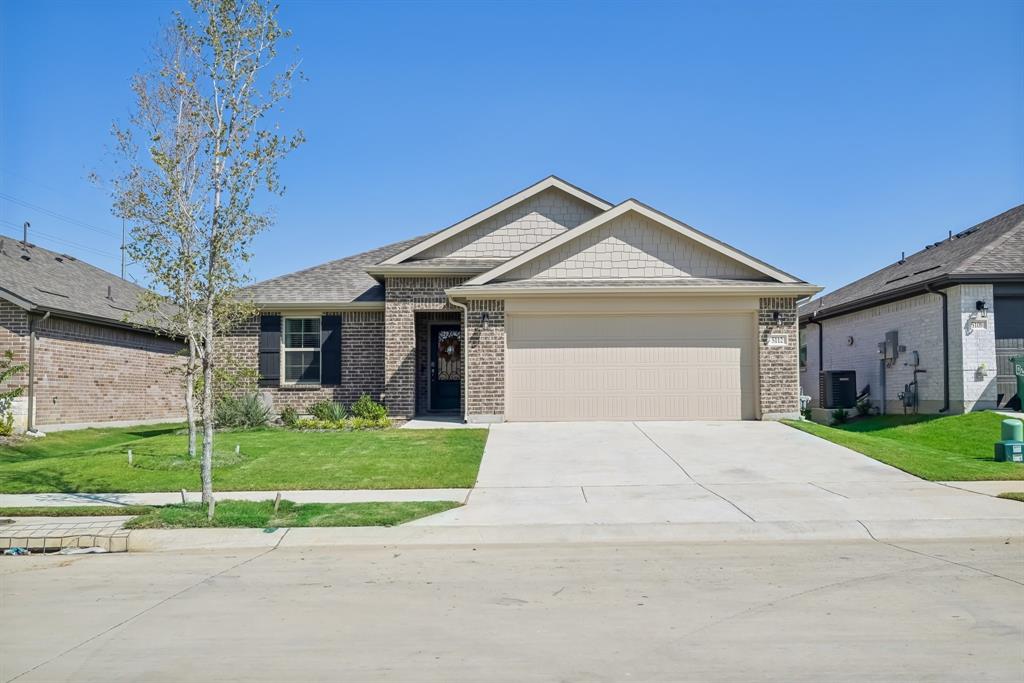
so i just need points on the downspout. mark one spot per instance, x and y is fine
(465, 354)
(821, 357)
(32, 370)
(945, 347)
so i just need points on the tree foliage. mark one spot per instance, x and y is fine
(199, 150)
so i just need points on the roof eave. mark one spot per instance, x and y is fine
(319, 305)
(940, 282)
(799, 290)
(378, 272)
(18, 301)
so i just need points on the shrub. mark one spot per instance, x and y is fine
(368, 409)
(360, 423)
(839, 416)
(241, 411)
(289, 417)
(8, 370)
(351, 424)
(329, 411)
(806, 413)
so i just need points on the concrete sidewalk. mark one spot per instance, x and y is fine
(168, 498)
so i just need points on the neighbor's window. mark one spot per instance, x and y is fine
(301, 355)
(803, 349)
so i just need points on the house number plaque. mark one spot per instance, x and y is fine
(776, 340)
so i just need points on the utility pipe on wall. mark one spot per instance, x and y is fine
(32, 369)
(465, 354)
(945, 347)
(821, 357)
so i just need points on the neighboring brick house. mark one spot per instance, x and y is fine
(970, 285)
(64, 319)
(552, 304)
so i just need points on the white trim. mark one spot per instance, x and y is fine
(285, 349)
(493, 210)
(647, 212)
(765, 289)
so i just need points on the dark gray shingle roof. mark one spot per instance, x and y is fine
(51, 281)
(341, 281)
(993, 247)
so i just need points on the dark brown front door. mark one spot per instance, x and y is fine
(445, 367)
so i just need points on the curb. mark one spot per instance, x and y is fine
(162, 540)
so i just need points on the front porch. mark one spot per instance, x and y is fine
(439, 364)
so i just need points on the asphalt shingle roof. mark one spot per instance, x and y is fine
(993, 247)
(51, 281)
(341, 281)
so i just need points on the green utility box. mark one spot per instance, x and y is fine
(1011, 447)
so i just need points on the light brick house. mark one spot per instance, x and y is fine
(552, 304)
(957, 310)
(65, 319)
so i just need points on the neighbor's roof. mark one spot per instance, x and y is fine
(39, 279)
(992, 249)
(343, 281)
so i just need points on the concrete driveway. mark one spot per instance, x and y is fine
(685, 472)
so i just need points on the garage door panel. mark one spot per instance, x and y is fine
(630, 367)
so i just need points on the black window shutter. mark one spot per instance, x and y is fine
(330, 349)
(270, 350)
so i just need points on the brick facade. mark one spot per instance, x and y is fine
(362, 361)
(850, 342)
(779, 376)
(404, 298)
(14, 337)
(485, 348)
(92, 373)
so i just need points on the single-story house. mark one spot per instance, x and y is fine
(954, 316)
(552, 304)
(66, 320)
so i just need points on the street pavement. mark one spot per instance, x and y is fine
(806, 611)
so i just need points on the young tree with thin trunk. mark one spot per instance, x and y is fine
(199, 216)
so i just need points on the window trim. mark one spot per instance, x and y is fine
(285, 349)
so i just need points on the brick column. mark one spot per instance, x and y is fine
(778, 358)
(485, 361)
(404, 296)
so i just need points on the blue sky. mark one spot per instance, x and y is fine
(822, 137)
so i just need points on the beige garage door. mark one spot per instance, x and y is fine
(630, 367)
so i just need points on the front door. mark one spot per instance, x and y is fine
(445, 367)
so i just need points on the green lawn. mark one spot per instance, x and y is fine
(953, 448)
(95, 460)
(260, 514)
(1013, 495)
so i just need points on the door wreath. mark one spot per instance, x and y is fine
(449, 349)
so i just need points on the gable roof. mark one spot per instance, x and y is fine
(38, 279)
(507, 203)
(653, 215)
(342, 281)
(990, 250)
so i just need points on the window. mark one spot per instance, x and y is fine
(301, 340)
